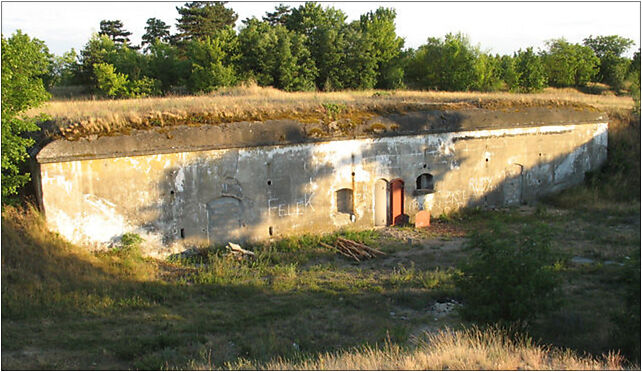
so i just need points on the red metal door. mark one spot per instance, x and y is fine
(396, 202)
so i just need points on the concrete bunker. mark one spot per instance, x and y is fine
(244, 181)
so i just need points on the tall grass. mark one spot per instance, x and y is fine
(471, 349)
(618, 181)
(44, 274)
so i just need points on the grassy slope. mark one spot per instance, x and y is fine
(78, 118)
(63, 308)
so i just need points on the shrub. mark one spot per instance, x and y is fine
(509, 277)
(109, 82)
(143, 87)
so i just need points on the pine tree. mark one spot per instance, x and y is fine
(279, 16)
(155, 30)
(200, 19)
(114, 30)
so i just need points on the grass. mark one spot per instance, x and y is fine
(472, 349)
(78, 118)
(298, 305)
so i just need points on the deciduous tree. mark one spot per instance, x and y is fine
(569, 64)
(613, 67)
(531, 75)
(24, 62)
(213, 60)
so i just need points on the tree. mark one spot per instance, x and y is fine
(569, 64)
(62, 69)
(603, 45)
(24, 62)
(613, 67)
(212, 61)
(634, 76)
(379, 28)
(324, 30)
(200, 19)
(530, 72)
(165, 65)
(445, 65)
(508, 72)
(275, 56)
(99, 49)
(488, 73)
(156, 30)
(279, 16)
(114, 30)
(359, 59)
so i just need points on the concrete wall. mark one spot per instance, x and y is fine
(261, 192)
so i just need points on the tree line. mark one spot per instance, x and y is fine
(304, 48)
(311, 47)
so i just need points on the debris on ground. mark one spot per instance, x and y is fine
(239, 253)
(355, 250)
(442, 309)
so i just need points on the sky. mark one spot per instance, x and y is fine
(497, 27)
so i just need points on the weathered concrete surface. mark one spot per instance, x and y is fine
(174, 199)
(288, 132)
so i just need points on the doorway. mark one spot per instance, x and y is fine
(381, 200)
(397, 216)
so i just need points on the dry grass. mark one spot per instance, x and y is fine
(470, 349)
(89, 117)
(43, 272)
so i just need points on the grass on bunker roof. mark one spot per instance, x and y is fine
(78, 118)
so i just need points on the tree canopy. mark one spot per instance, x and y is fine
(24, 62)
(155, 30)
(200, 19)
(115, 31)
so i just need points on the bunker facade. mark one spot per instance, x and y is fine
(253, 181)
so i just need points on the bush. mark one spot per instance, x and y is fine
(509, 277)
(109, 82)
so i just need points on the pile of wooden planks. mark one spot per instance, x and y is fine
(354, 250)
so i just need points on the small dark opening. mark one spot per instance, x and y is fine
(486, 159)
(425, 165)
(270, 231)
(353, 173)
(182, 233)
(344, 201)
(425, 182)
(172, 192)
(269, 182)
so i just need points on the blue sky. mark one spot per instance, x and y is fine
(497, 27)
